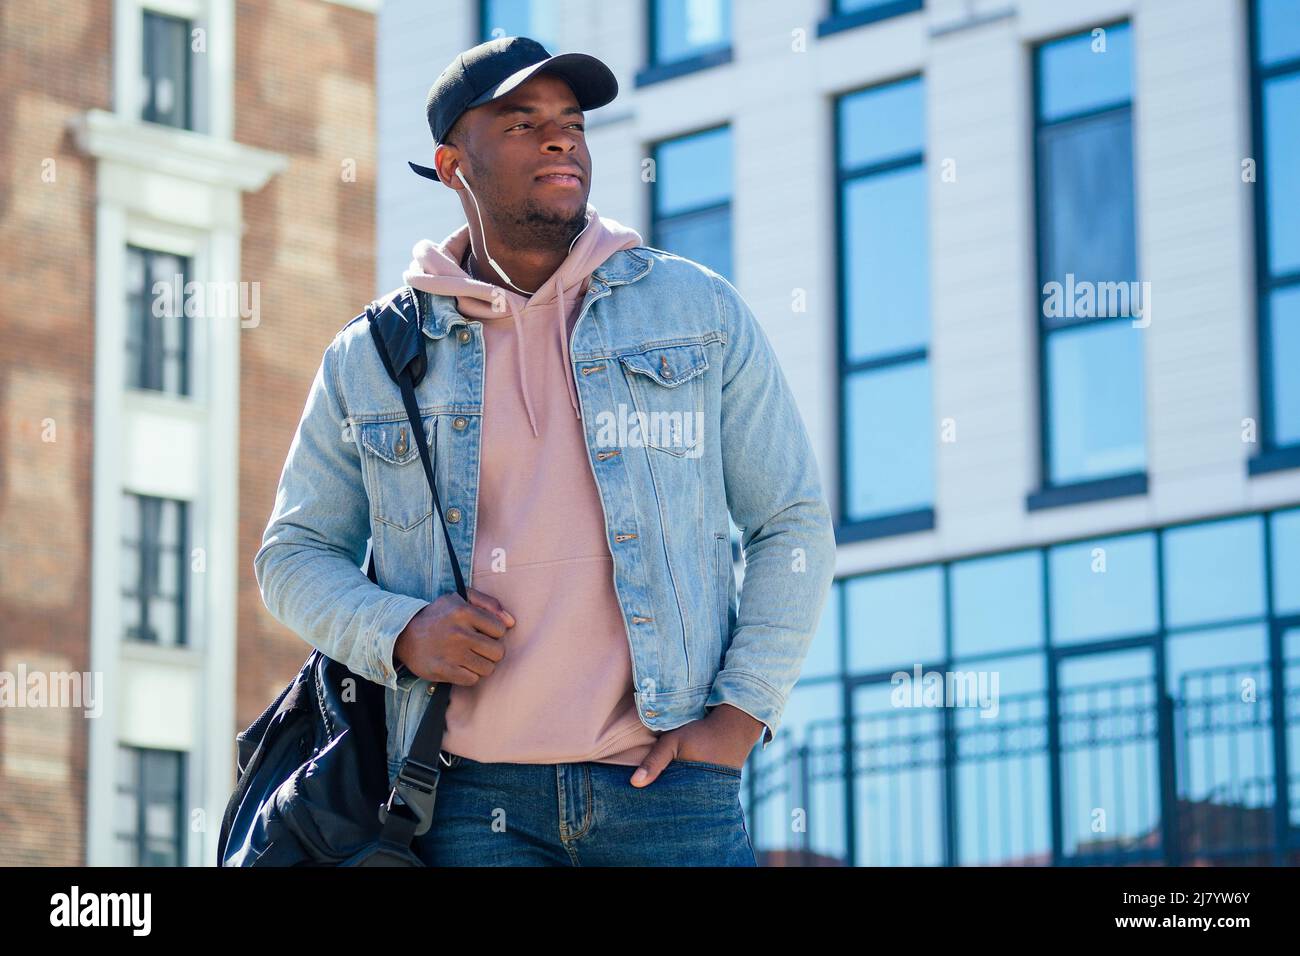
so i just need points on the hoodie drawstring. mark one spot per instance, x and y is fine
(441, 269)
(568, 359)
(523, 379)
(564, 350)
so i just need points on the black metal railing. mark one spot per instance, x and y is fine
(1115, 773)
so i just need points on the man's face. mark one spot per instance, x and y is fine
(525, 156)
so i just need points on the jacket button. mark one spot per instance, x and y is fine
(459, 422)
(464, 336)
(652, 713)
(400, 447)
(663, 367)
(453, 515)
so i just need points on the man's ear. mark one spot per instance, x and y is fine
(447, 174)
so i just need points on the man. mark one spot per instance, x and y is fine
(594, 408)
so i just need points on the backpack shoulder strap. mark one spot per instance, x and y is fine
(395, 324)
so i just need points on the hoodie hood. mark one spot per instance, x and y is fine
(436, 268)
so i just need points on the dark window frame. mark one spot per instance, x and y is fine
(1271, 455)
(157, 554)
(904, 522)
(147, 321)
(149, 113)
(839, 20)
(656, 71)
(655, 218)
(483, 36)
(140, 836)
(1050, 494)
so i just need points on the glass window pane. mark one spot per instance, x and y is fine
(899, 781)
(166, 58)
(808, 749)
(1284, 349)
(1102, 588)
(129, 559)
(160, 820)
(1109, 758)
(163, 620)
(882, 123)
(886, 263)
(1286, 561)
(1003, 810)
(522, 18)
(169, 523)
(702, 236)
(1214, 572)
(1281, 117)
(1086, 205)
(824, 655)
(1278, 31)
(1220, 680)
(890, 441)
(688, 28)
(809, 705)
(895, 619)
(997, 603)
(693, 171)
(853, 6)
(1082, 73)
(1291, 655)
(1214, 664)
(132, 620)
(158, 331)
(1096, 425)
(1021, 675)
(128, 769)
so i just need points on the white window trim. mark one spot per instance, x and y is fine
(180, 191)
(213, 72)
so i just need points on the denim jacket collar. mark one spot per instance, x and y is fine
(438, 313)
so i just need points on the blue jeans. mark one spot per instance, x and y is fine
(585, 814)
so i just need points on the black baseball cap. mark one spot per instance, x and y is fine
(495, 68)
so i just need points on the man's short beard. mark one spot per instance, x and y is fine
(536, 226)
(532, 226)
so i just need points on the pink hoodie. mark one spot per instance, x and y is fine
(563, 691)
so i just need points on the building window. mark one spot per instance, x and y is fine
(1275, 34)
(1090, 352)
(536, 19)
(886, 423)
(979, 711)
(685, 36)
(167, 70)
(847, 14)
(691, 204)
(158, 332)
(149, 816)
(155, 553)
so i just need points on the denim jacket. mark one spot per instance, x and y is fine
(687, 415)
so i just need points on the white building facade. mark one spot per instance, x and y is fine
(1033, 272)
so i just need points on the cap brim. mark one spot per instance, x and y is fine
(593, 83)
(428, 172)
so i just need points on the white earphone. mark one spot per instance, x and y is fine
(502, 272)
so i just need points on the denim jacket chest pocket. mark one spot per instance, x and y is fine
(399, 490)
(667, 392)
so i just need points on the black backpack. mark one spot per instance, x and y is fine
(312, 773)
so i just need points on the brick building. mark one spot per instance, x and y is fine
(222, 149)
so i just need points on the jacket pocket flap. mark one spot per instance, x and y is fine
(392, 441)
(670, 365)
